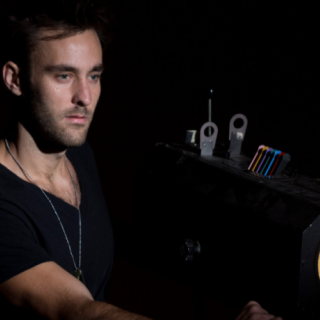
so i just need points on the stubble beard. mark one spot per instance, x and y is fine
(47, 126)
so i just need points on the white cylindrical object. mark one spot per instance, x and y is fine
(191, 136)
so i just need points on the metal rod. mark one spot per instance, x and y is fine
(210, 133)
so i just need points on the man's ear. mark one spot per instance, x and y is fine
(10, 73)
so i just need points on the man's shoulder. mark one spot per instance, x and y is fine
(10, 183)
(84, 150)
(83, 153)
(83, 159)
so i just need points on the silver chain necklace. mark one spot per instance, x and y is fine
(77, 271)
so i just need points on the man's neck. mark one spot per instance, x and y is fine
(47, 169)
(39, 164)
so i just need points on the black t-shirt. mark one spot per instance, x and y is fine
(30, 232)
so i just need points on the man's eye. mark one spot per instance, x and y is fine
(63, 76)
(95, 77)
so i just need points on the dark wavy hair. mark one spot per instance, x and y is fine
(22, 22)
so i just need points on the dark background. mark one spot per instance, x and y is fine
(261, 59)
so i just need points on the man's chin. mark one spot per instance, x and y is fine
(62, 140)
(75, 136)
(73, 141)
(77, 143)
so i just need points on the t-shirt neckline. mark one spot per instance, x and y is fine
(51, 195)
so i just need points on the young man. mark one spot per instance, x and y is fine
(56, 244)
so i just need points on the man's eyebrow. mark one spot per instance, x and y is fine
(98, 68)
(60, 68)
(68, 68)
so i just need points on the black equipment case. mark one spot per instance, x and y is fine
(259, 237)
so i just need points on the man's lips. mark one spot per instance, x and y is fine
(77, 118)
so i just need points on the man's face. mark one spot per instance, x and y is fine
(65, 87)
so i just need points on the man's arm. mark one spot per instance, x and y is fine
(53, 293)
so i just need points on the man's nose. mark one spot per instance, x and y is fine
(81, 94)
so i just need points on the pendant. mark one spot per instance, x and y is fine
(78, 274)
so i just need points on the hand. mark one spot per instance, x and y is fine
(253, 311)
